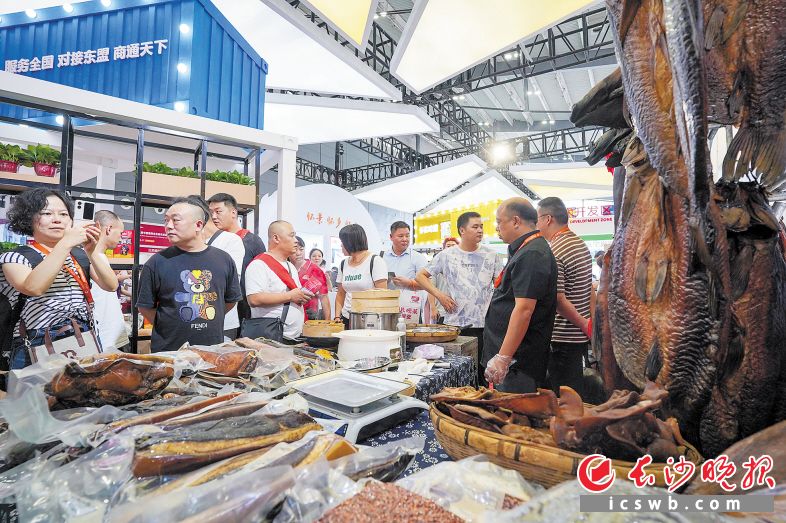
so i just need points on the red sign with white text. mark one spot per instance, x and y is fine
(152, 238)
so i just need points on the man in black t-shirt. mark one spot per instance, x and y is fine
(186, 290)
(520, 317)
(223, 212)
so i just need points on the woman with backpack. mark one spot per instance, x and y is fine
(47, 284)
(360, 272)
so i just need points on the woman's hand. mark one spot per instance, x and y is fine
(93, 237)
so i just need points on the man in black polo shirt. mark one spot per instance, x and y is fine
(520, 317)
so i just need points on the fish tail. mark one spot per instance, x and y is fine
(759, 153)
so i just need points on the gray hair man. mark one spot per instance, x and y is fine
(570, 338)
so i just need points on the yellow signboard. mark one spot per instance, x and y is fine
(432, 228)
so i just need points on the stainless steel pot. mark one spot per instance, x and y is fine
(385, 321)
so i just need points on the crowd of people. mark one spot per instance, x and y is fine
(217, 281)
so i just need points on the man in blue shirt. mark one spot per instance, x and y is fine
(405, 263)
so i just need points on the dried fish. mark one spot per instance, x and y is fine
(227, 360)
(187, 448)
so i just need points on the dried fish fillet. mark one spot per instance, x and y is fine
(190, 447)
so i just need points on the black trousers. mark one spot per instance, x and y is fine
(477, 333)
(566, 366)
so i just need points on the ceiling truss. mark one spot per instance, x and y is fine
(554, 50)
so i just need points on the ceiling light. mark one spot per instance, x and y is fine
(59, 119)
(376, 16)
(544, 122)
(501, 152)
(551, 122)
(185, 28)
(31, 13)
(461, 97)
(106, 3)
(23, 125)
(455, 97)
(383, 13)
(529, 93)
(537, 93)
(182, 68)
(68, 8)
(180, 107)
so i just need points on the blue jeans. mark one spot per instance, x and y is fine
(20, 358)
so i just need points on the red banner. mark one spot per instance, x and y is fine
(152, 238)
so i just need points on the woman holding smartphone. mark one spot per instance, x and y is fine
(360, 272)
(53, 273)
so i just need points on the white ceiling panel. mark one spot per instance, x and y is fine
(351, 18)
(316, 119)
(414, 191)
(300, 55)
(445, 37)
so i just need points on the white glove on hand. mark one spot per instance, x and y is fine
(497, 368)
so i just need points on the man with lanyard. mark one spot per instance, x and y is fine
(469, 270)
(520, 317)
(570, 338)
(405, 264)
(223, 213)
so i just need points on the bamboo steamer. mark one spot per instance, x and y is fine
(445, 334)
(376, 301)
(321, 328)
(540, 463)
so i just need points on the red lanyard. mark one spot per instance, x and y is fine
(498, 281)
(78, 276)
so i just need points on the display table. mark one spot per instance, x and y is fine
(420, 425)
(463, 345)
(462, 372)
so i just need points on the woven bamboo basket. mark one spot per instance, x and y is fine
(446, 333)
(542, 464)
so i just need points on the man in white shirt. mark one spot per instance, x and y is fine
(405, 264)
(266, 291)
(469, 270)
(231, 244)
(107, 311)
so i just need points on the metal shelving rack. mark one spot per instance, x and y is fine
(251, 162)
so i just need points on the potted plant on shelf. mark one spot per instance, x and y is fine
(10, 157)
(44, 159)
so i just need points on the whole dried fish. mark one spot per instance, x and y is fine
(173, 407)
(187, 448)
(111, 379)
(217, 413)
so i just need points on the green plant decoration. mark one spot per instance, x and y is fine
(10, 153)
(40, 154)
(185, 172)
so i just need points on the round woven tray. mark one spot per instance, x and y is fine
(542, 464)
(448, 334)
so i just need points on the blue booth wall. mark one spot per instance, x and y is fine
(168, 53)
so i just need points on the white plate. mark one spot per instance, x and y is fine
(348, 388)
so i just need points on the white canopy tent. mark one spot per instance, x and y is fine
(568, 181)
(490, 186)
(414, 191)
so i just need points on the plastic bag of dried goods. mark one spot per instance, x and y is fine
(237, 498)
(317, 489)
(560, 504)
(29, 419)
(471, 486)
(384, 463)
(77, 490)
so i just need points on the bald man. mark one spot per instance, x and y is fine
(520, 317)
(273, 289)
(186, 289)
